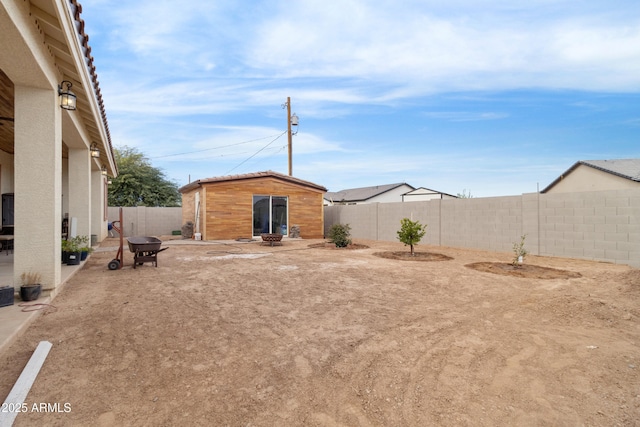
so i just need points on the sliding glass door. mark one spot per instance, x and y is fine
(270, 215)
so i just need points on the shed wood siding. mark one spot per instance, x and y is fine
(229, 207)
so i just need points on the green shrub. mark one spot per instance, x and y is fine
(340, 235)
(411, 232)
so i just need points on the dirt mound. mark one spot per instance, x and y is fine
(329, 245)
(526, 270)
(417, 256)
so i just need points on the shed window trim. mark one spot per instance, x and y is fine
(268, 215)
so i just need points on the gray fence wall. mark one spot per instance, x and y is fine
(602, 225)
(144, 221)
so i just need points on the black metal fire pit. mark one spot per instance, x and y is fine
(145, 249)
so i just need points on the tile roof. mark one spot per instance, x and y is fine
(254, 175)
(626, 168)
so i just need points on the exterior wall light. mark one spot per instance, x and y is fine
(103, 171)
(67, 98)
(95, 151)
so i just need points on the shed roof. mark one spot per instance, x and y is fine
(254, 175)
(624, 168)
(362, 193)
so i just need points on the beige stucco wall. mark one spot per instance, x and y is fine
(599, 225)
(45, 185)
(585, 178)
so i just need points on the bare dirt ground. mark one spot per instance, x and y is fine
(250, 335)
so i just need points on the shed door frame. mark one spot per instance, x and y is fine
(268, 219)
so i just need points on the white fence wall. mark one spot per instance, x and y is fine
(601, 225)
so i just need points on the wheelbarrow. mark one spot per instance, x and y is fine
(145, 249)
(118, 261)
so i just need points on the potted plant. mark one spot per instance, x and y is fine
(65, 250)
(31, 288)
(84, 246)
(73, 251)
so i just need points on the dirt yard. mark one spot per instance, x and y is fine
(248, 335)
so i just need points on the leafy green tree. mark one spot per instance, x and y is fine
(140, 184)
(411, 232)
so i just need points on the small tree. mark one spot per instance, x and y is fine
(340, 235)
(411, 232)
(519, 252)
(465, 195)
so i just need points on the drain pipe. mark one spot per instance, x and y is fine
(15, 400)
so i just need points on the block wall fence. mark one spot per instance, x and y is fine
(600, 225)
(145, 221)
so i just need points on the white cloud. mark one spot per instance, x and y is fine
(209, 58)
(501, 78)
(416, 48)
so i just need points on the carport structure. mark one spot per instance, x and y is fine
(45, 150)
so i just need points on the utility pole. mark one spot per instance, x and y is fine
(289, 134)
(291, 121)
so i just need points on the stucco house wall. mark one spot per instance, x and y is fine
(585, 178)
(394, 195)
(46, 160)
(422, 194)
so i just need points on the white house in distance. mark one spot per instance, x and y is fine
(421, 194)
(375, 194)
(54, 156)
(598, 175)
(389, 193)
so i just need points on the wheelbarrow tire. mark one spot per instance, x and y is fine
(114, 264)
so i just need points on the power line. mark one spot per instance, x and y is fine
(215, 148)
(255, 154)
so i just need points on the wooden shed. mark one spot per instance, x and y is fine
(242, 206)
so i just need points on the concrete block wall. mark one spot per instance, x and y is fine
(492, 223)
(147, 221)
(601, 225)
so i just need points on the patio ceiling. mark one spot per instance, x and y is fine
(90, 107)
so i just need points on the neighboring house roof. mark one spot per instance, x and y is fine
(249, 176)
(362, 194)
(421, 191)
(624, 168)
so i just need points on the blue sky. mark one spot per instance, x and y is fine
(494, 97)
